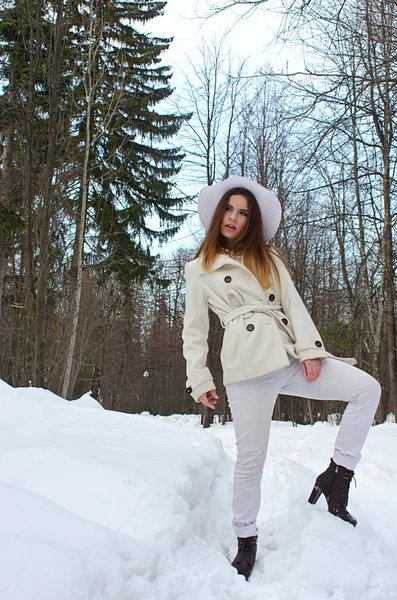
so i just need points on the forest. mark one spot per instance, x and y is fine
(101, 163)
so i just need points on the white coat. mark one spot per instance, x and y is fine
(261, 326)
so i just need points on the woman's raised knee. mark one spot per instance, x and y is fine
(372, 387)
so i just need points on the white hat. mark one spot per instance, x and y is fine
(269, 204)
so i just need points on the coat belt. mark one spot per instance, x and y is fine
(273, 310)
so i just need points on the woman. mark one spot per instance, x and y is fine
(270, 346)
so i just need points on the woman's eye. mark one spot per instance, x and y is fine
(245, 214)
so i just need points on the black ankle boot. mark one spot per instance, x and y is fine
(334, 483)
(340, 495)
(246, 555)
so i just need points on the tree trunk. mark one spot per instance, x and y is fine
(310, 411)
(41, 304)
(93, 35)
(80, 234)
(4, 204)
(28, 187)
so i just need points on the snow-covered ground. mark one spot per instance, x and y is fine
(97, 505)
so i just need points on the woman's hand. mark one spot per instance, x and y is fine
(209, 399)
(311, 369)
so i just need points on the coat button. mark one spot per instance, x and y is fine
(189, 390)
(285, 321)
(318, 344)
(228, 279)
(250, 327)
(272, 297)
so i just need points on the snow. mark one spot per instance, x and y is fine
(99, 505)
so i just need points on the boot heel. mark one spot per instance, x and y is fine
(315, 495)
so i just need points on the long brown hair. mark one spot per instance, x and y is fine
(257, 254)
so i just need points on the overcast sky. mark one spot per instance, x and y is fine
(252, 37)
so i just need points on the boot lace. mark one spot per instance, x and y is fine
(347, 478)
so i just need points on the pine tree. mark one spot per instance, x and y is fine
(125, 172)
(87, 165)
(130, 167)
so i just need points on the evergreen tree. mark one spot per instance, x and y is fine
(130, 166)
(87, 164)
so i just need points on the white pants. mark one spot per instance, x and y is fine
(252, 402)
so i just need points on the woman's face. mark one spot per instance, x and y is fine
(235, 219)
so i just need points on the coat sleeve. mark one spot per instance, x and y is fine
(195, 335)
(308, 343)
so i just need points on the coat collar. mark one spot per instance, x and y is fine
(220, 261)
(225, 259)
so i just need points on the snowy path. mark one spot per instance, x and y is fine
(305, 553)
(98, 505)
(311, 447)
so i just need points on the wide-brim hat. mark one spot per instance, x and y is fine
(269, 204)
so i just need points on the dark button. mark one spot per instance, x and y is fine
(318, 344)
(250, 327)
(272, 297)
(228, 279)
(285, 321)
(189, 390)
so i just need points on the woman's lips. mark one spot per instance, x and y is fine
(230, 227)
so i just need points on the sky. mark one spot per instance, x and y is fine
(252, 37)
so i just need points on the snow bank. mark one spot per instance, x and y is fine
(48, 552)
(81, 483)
(98, 505)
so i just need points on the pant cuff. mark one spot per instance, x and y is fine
(345, 460)
(247, 530)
